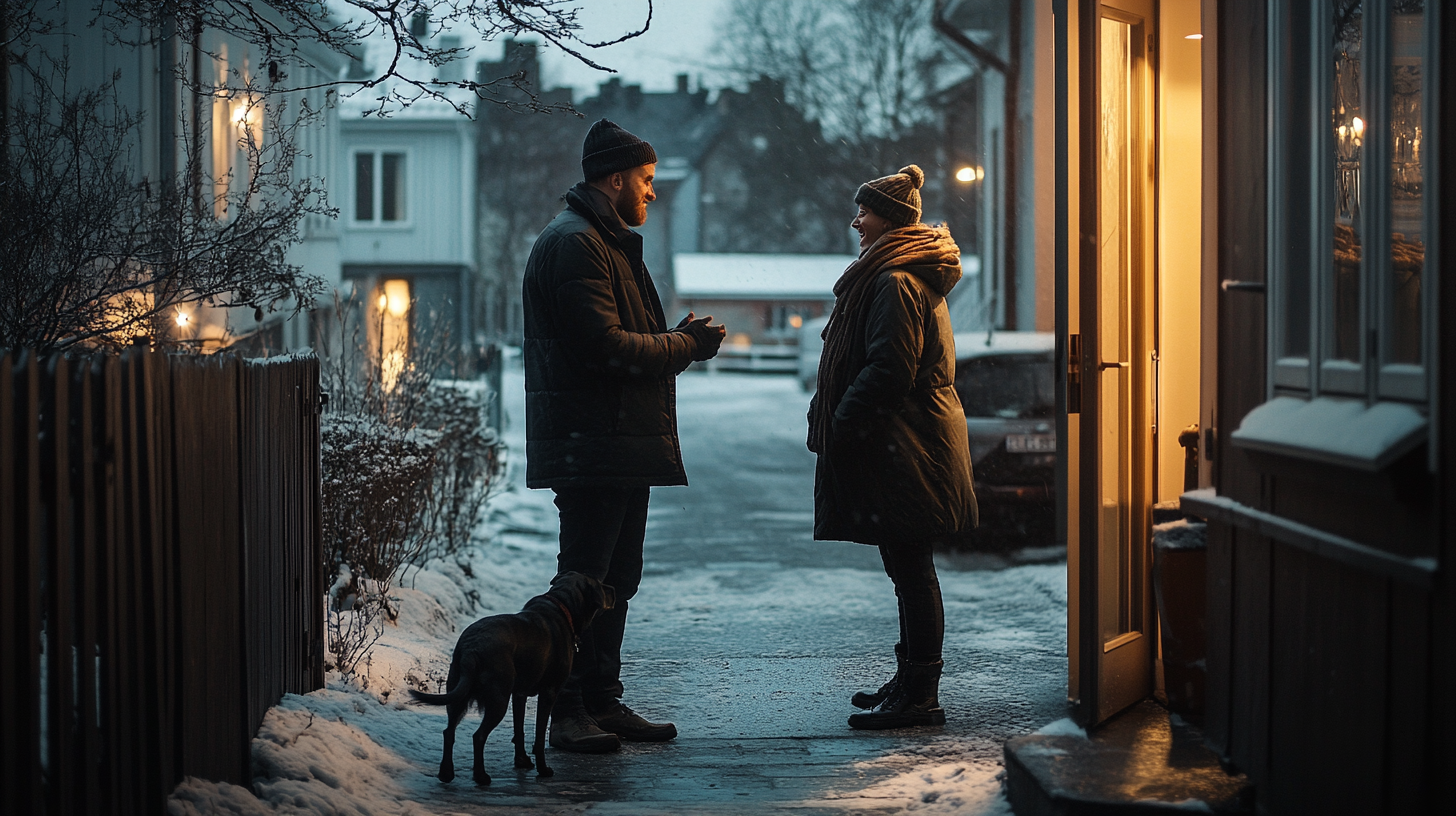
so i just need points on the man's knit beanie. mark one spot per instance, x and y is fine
(895, 198)
(609, 149)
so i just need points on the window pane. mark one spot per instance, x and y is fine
(363, 186)
(1407, 192)
(1348, 120)
(392, 200)
(1292, 134)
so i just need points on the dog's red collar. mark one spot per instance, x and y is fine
(567, 612)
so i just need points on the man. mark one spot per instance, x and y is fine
(601, 410)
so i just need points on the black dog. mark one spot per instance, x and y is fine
(507, 658)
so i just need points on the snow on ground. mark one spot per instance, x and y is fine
(356, 747)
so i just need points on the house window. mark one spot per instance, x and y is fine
(784, 320)
(379, 187)
(1349, 219)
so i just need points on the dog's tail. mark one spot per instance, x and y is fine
(460, 693)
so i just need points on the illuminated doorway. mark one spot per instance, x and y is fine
(393, 310)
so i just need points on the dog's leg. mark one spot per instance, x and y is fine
(447, 763)
(544, 703)
(492, 711)
(518, 717)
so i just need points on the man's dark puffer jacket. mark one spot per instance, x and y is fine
(601, 364)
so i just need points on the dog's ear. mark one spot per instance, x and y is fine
(609, 596)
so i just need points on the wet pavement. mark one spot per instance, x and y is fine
(751, 637)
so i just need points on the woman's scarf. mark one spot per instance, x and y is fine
(917, 245)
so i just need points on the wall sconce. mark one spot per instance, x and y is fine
(247, 115)
(396, 298)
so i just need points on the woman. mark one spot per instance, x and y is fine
(894, 466)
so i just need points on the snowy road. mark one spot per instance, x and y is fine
(746, 633)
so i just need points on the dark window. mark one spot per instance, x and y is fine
(363, 186)
(392, 184)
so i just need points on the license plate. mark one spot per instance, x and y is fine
(1031, 443)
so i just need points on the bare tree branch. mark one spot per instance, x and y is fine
(286, 31)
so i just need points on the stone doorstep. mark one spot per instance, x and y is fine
(1143, 761)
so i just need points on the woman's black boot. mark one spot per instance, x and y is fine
(870, 699)
(913, 702)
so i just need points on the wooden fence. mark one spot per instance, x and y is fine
(161, 578)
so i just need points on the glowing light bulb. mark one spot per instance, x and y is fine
(966, 174)
(1358, 125)
(397, 297)
(183, 318)
(1193, 37)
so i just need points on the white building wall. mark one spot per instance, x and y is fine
(439, 202)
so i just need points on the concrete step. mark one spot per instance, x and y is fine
(1143, 761)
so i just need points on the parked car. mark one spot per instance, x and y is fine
(1006, 386)
(811, 346)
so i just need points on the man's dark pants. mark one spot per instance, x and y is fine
(602, 528)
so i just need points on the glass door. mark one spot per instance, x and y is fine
(1115, 562)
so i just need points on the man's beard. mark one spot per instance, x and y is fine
(633, 213)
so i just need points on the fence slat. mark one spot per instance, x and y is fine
(56, 544)
(89, 480)
(27, 585)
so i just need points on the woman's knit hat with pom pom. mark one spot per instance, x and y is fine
(894, 198)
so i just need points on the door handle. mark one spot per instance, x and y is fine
(1105, 366)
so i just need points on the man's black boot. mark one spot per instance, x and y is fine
(870, 699)
(915, 702)
(572, 729)
(629, 725)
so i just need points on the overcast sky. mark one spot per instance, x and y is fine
(679, 41)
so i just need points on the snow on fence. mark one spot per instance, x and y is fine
(161, 577)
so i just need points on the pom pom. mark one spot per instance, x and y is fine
(917, 176)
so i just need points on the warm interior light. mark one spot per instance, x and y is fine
(796, 321)
(383, 301)
(980, 173)
(966, 174)
(397, 294)
(1359, 127)
(1193, 37)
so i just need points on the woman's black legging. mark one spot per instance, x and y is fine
(922, 616)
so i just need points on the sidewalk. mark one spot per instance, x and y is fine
(747, 634)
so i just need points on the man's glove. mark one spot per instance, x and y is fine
(706, 338)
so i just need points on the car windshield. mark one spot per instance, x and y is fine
(1006, 386)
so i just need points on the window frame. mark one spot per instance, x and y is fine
(1373, 376)
(377, 187)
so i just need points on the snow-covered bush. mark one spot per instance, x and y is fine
(468, 463)
(376, 487)
(408, 463)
